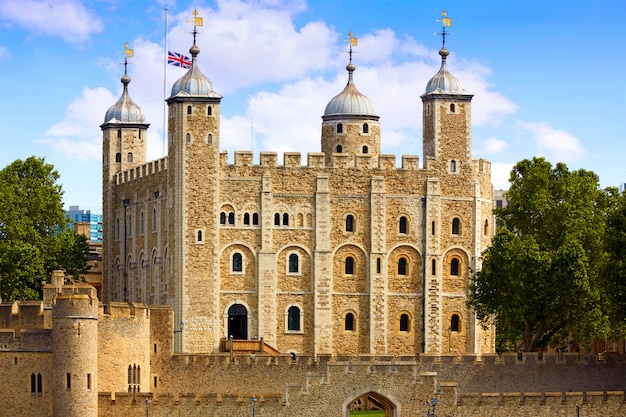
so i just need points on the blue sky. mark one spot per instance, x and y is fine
(549, 76)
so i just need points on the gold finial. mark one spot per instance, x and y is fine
(197, 21)
(352, 41)
(445, 22)
(128, 53)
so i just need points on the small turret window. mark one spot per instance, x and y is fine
(365, 149)
(339, 148)
(339, 128)
(188, 109)
(453, 166)
(129, 157)
(209, 111)
(210, 139)
(366, 128)
(188, 138)
(119, 133)
(118, 157)
(452, 108)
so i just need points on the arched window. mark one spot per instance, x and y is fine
(293, 319)
(119, 133)
(285, 219)
(199, 236)
(129, 157)
(293, 263)
(403, 225)
(452, 108)
(255, 218)
(405, 325)
(339, 148)
(366, 128)
(433, 267)
(456, 226)
(453, 166)
(246, 218)
(349, 269)
(188, 109)
(209, 111)
(349, 322)
(231, 218)
(188, 138)
(365, 149)
(118, 157)
(210, 139)
(402, 266)
(349, 223)
(454, 266)
(455, 325)
(339, 128)
(237, 262)
(276, 219)
(486, 231)
(222, 218)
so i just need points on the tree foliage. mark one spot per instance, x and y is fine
(34, 234)
(614, 272)
(541, 277)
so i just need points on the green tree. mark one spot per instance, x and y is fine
(615, 267)
(34, 235)
(540, 278)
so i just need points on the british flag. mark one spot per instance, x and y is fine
(178, 60)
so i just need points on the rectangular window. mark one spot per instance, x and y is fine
(68, 380)
(155, 382)
(88, 381)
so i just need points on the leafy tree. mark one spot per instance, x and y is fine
(540, 278)
(615, 267)
(34, 238)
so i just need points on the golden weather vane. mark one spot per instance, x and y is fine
(445, 22)
(128, 54)
(197, 22)
(352, 41)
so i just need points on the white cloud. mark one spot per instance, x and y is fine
(556, 145)
(500, 172)
(78, 136)
(68, 19)
(491, 146)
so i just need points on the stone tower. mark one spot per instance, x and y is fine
(350, 124)
(75, 351)
(193, 200)
(124, 134)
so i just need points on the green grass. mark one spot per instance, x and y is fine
(370, 413)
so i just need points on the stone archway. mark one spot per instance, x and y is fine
(371, 401)
(238, 322)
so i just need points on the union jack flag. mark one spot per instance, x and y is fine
(178, 60)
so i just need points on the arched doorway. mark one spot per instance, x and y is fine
(238, 322)
(373, 402)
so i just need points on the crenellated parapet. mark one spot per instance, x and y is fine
(146, 170)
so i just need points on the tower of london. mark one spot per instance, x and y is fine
(344, 251)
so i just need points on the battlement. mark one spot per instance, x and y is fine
(539, 398)
(318, 160)
(22, 315)
(145, 170)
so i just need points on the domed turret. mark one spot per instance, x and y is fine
(194, 82)
(443, 82)
(350, 102)
(124, 110)
(350, 125)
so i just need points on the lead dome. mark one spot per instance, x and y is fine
(124, 110)
(194, 82)
(443, 82)
(350, 102)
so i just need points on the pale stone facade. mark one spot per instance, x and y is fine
(346, 254)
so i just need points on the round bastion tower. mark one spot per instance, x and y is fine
(75, 352)
(350, 124)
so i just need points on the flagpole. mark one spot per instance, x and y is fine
(164, 78)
